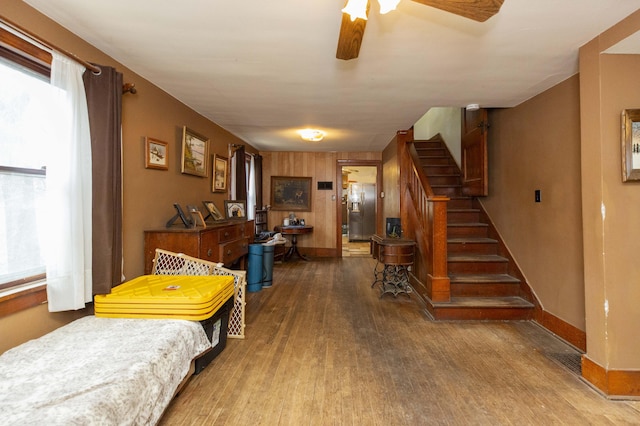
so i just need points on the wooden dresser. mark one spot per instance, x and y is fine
(224, 242)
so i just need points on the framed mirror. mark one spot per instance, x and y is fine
(630, 145)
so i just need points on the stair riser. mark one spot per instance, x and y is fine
(435, 161)
(441, 170)
(459, 203)
(463, 217)
(472, 248)
(466, 231)
(478, 267)
(482, 314)
(484, 289)
(427, 145)
(431, 152)
(444, 180)
(449, 191)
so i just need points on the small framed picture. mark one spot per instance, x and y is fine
(195, 153)
(156, 154)
(195, 215)
(220, 171)
(212, 211)
(235, 209)
(630, 145)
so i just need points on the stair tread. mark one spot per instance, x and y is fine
(477, 240)
(460, 224)
(485, 302)
(483, 278)
(476, 258)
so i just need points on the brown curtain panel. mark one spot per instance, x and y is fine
(104, 100)
(241, 174)
(258, 166)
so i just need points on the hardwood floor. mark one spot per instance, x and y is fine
(322, 348)
(355, 248)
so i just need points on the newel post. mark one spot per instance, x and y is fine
(438, 277)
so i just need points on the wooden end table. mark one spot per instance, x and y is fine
(294, 231)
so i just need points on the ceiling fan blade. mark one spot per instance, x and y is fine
(350, 38)
(478, 10)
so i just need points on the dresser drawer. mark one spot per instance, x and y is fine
(230, 233)
(233, 250)
(209, 246)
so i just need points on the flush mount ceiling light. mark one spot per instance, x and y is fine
(311, 135)
(473, 107)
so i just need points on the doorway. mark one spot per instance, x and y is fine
(358, 206)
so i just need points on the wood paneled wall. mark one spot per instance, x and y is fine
(321, 166)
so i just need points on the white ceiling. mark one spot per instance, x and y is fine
(263, 69)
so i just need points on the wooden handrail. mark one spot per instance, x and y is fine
(424, 219)
(417, 170)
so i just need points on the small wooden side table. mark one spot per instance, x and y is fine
(294, 231)
(394, 256)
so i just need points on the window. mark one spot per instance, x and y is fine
(25, 122)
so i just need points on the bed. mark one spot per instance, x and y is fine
(106, 371)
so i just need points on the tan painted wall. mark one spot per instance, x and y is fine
(148, 194)
(32, 323)
(447, 122)
(321, 166)
(621, 89)
(536, 145)
(609, 84)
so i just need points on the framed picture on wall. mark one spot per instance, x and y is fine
(291, 193)
(195, 153)
(630, 145)
(156, 154)
(220, 172)
(235, 209)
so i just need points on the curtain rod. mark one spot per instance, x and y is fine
(234, 147)
(48, 45)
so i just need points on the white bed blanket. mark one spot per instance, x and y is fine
(98, 371)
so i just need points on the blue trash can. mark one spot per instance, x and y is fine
(255, 268)
(267, 262)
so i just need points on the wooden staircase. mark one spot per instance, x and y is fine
(485, 282)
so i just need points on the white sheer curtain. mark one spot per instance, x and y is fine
(251, 190)
(69, 193)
